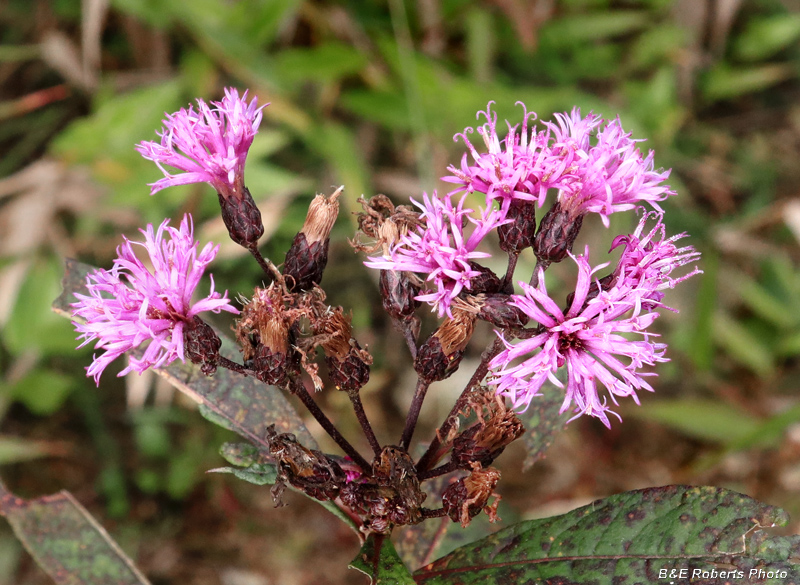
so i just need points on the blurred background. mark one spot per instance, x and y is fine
(369, 94)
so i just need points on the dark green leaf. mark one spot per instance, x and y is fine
(241, 404)
(323, 63)
(67, 542)
(630, 538)
(378, 560)
(570, 30)
(542, 422)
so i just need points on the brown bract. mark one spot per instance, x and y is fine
(384, 223)
(464, 499)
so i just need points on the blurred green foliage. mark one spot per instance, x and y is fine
(369, 94)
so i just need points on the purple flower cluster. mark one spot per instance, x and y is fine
(132, 303)
(209, 145)
(592, 166)
(595, 166)
(590, 337)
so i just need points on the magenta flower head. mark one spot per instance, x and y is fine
(648, 260)
(609, 176)
(440, 250)
(517, 167)
(209, 144)
(131, 303)
(590, 338)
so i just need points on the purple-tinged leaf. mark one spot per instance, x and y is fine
(379, 561)
(241, 404)
(643, 536)
(66, 542)
(542, 423)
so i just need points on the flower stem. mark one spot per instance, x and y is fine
(431, 456)
(512, 265)
(266, 265)
(297, 388)
(437, 471)
(361, 415)
(543, 264)
(438, 513)
(413, 413)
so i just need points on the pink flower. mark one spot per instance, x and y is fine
(517, 167)
(210, 145)
(592, 337)
(612, 175)
(440, 249)
(131, 303)
(588, 338)
(647, 261)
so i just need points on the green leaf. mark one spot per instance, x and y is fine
(542, 423)
(630, 538)
(42, 391)
(378, 560)
(241, 404)
(323, 63)
(66, 542)
(31, 327)
(240, 454)
(765, 36)
(743, 344)
(571, 30)
(14, 450)
(725, 82)
(708, 420)
(258, 473)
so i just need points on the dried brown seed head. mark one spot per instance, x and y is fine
(322, 214)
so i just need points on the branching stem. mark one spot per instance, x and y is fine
(431, 456)
(413, 413)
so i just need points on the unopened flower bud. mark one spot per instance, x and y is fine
(494, 308)
(556, 234)
(201, 345)
(308, 254)
(518, 234)
(397, 294)
(441, 354)
(242, 218)
(486, 282)
(464, 499)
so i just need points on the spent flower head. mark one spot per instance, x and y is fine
(132, 303)
(209, 144)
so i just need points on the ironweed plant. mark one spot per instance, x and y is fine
(582, 353)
